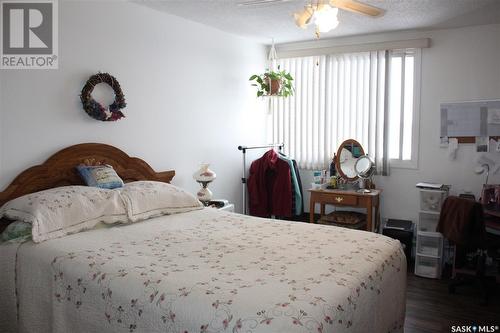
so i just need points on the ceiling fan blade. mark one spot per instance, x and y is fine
(357, 7)
(256, 3)
(303, 18)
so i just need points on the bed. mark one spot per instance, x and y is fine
(199, 271)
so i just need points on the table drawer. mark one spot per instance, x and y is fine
(337, 199)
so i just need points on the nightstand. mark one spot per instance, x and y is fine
(221, 204)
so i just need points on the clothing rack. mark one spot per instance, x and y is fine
(244, 149)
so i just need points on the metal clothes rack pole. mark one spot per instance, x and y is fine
(244, 149)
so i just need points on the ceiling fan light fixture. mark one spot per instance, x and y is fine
(324, 13)
(326, 18)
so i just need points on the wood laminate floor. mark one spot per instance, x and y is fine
(430, 308)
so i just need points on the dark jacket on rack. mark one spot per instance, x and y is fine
(461, 221)
(269, 187)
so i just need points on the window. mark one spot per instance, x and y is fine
(404, 81)
(343, 96)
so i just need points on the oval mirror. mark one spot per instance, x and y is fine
(347, 156)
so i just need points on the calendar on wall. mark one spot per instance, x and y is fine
(467, 121)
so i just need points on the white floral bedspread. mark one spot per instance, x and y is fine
(212, 271)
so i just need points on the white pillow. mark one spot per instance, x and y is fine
(65, 210)
(147, 199)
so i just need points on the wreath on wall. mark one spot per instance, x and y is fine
(95, 109)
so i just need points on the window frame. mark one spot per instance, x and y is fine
(415, 137)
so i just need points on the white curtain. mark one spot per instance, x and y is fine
(337, 97)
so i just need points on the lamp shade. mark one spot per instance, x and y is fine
(204, 174)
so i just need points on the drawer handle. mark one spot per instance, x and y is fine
(339, 199)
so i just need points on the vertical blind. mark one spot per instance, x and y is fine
(337, 97)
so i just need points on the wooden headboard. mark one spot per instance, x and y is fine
(60, 169)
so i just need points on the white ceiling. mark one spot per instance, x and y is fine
(275, 20)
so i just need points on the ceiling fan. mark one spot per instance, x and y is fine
(324, 13)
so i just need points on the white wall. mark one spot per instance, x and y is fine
(462, 64)
(186, 85)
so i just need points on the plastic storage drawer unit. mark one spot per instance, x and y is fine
(430, 244)
(427, 221)
(428, 266)
(431, 200)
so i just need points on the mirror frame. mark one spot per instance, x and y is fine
(348, 142)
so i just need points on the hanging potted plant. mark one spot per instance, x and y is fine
(273, 83)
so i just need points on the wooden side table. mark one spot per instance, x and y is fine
(369, 201)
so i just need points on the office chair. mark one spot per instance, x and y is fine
(462, 222)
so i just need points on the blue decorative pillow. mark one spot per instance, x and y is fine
(102, 176)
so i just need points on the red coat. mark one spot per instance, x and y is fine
(269, 186)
